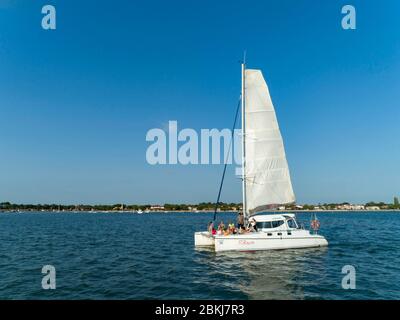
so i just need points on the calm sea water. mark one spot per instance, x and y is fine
(151, 256)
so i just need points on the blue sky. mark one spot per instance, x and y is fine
(76, 102)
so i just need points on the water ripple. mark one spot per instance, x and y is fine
(125, 256)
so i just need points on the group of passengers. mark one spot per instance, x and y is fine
(241, 228)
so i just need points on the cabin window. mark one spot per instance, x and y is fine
(292, 224)
(264, 225)
(276, 224)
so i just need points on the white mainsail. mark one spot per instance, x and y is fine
(266, 172)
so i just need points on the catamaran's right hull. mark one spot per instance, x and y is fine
(248, 243)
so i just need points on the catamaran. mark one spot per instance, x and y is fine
(266, 182)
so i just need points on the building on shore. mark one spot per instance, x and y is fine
(157, 207)
(350, 207)
(372, 208)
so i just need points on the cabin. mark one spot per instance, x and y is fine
(276, 222)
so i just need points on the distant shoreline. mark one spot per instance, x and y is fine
(192, 212)
(205, 207)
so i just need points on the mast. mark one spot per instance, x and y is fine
(243, 139)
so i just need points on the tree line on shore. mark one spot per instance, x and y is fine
(203, 206)
(7, 206)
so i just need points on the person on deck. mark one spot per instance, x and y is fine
(210, 227)
(240, 220)
(253, 225)
(231, 228)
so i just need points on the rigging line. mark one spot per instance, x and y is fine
(226, 160)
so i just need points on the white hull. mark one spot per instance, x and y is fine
(203, 239)
(258, 241)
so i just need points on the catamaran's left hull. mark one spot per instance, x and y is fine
(203, 239)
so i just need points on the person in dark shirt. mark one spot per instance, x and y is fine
(240, 220)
